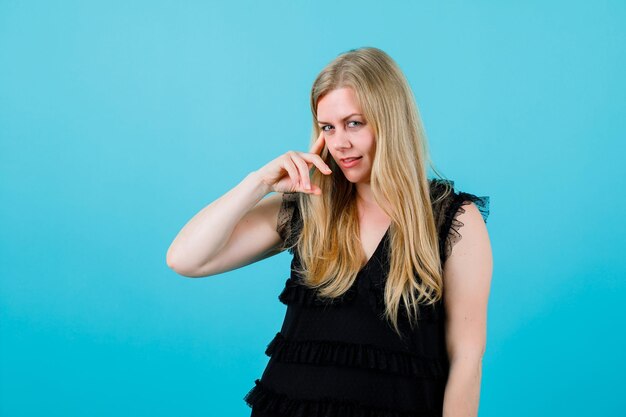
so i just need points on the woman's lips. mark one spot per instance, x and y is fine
(350, 162)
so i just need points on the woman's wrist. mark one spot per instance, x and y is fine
(261, 188)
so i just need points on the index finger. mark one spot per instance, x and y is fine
(319, 144)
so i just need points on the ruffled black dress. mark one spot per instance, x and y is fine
(341, 358)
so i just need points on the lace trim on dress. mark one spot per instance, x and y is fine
(298, 293)
(460, 200)
(287, 219)
(264, 399)
(447, 211)
(355, 355)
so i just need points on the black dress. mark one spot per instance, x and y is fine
(340, 358)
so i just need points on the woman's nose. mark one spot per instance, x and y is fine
(341, 140)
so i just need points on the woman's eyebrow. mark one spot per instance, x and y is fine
(347, 117)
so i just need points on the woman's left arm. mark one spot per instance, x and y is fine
(467, 279)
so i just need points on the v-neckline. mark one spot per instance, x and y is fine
(378, 248)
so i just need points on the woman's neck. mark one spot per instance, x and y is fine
(365, 199)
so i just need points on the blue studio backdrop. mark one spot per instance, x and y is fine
(120, 120)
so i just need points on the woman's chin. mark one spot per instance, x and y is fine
(354, 179)
(354, 176)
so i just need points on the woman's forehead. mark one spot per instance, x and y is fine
(338, 104)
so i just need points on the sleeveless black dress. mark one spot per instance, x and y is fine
(340, 358)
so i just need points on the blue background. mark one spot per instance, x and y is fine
(120, 120)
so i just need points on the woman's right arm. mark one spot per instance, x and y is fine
(240, 227)
(235, 230)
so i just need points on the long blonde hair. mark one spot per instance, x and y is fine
(330, 262)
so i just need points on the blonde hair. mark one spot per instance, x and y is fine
(330, 262)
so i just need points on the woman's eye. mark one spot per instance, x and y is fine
(357, 123)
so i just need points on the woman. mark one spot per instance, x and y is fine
(386, 304)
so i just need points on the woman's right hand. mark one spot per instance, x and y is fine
(290, 172)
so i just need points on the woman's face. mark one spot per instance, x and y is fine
(347, 133)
